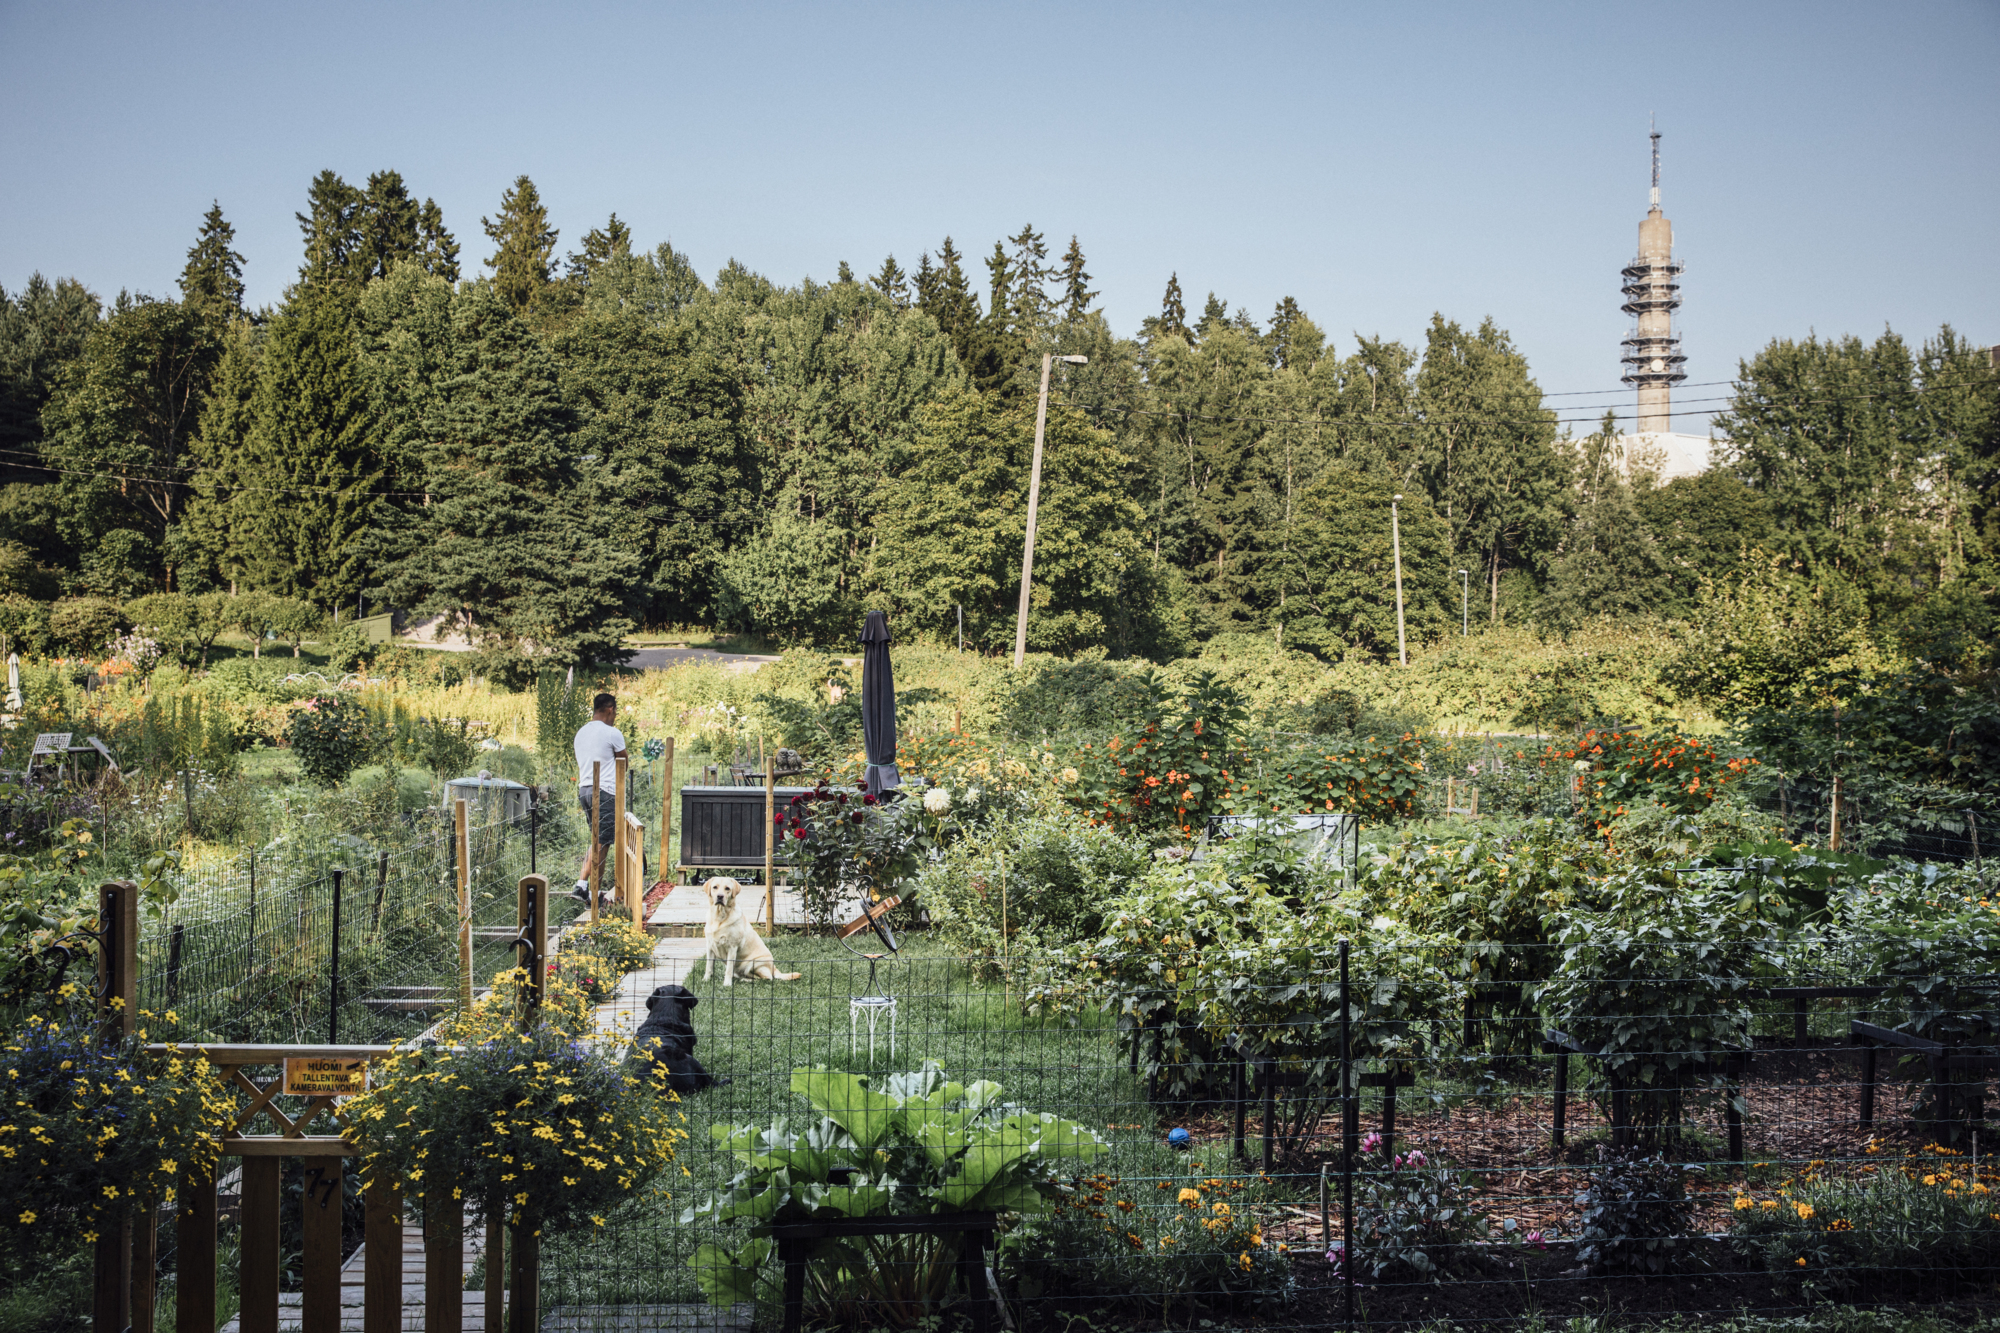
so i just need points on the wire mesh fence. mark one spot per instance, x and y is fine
(1782, 1146)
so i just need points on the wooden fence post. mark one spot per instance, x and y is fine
(444, 1259)
(667, 809)
(382, 1278)
(596, 842)
(620, 774)
(259, 1283)
(464, 902)
(321, 1203)
(194, 1241)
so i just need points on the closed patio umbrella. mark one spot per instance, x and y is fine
(878, 705)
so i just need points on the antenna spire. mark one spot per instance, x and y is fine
(1656, 161)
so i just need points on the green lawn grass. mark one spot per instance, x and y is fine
(758, 1033)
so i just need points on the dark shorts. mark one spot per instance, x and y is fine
(607, 815)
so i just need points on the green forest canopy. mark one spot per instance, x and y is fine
(567, 448)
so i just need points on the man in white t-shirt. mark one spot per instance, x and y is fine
(598, 742)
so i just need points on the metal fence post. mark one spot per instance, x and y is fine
(1348, 1147)
(333, 980)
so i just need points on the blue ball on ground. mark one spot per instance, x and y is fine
(1179, 1138)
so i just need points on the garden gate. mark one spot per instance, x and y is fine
(126, 1263)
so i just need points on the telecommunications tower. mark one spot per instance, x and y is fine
(1653, 360)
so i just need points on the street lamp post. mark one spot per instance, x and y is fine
(1034, 501)
(1464, 603)
(1396, 542)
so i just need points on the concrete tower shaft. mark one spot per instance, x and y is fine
(1652, 356)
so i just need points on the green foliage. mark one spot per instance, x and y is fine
(94, 1129)
(1172, 774)
(1380, 780)
(1902, 1225)
(1198, 966)
(1059, 871)
(331, 735)
(527, 245)
(1205, 1249)
(560, 712)
(1415, 1220)
(84, 626)
(918, 1144)
(1336, 572)
(1637, 1215)
(1654, 975)
(181, 732)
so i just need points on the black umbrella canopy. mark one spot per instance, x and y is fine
(878, 705)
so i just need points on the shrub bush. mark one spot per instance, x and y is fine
(1655, 980)
(331, 735)
(1172, 772)
(622, 946)
(484, 1119)
(82, 626)
(93, 1130)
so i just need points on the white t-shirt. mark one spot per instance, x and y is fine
(598, 743)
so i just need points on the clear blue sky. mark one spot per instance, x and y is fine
(1829, 167)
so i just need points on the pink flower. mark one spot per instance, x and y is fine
(1535, 1239)
(1371, 1142)
(1415, 1159)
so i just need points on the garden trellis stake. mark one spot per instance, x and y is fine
(464, 903)
(1349, 1145)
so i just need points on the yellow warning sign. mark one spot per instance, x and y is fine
(325, 1076)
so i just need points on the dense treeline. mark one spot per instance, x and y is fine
(567, 448)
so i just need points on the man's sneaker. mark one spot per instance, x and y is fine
(581, 892)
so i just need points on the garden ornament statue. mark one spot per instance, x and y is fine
(878, 706)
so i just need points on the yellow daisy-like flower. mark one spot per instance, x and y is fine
(1188, 1197)
(1800, 1261)
(28, 1218)
(1804, 1210)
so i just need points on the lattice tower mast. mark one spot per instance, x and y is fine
(1653, 360)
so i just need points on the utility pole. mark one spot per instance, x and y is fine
(1034, 501)
(1396, 544)
(1464, 603)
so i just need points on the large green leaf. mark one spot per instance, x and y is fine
(848, 1101)
(729, 1277)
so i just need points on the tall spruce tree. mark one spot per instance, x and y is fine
(386, 225)
(42, 328)
(601, 245)
(436, 250)
(216, 553)
(1077, 295)
(1171, 322)
(1029, 270)
(332, 233)
(308, 468)
(891, 281)
(212, 279)
(1278, 341)
(522, 264)
(495, 543)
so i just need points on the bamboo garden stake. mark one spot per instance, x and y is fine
(464, 903)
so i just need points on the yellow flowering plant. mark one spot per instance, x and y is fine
(535, 1119)
(1190, 1240)
(1913, 1225)
(89, 1129)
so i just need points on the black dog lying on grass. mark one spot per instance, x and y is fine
(667, 1039)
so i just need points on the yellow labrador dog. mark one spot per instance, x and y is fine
(734, 940)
